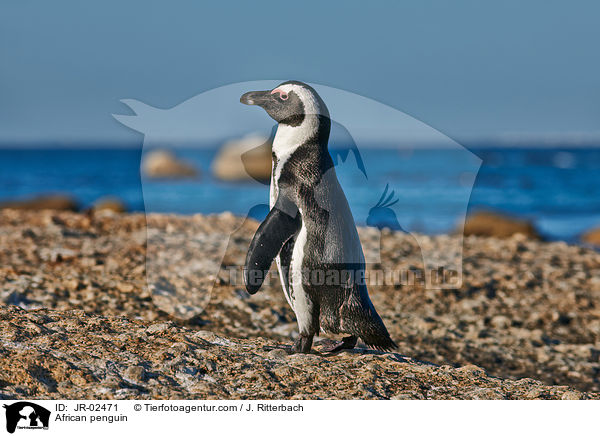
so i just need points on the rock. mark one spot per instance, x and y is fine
(157, 328)
(278, 354)
(498, 225)
(244, 159)
(409, 395)
(164, 164)
(110, 204)
(135, 373)
(533, 394)
(125, 287)
(41, 202)
(592, 237)
(106, 357)
(571, 395)
(485, 394)
(500, 322)
(474, 370)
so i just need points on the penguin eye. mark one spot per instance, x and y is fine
(282, 94)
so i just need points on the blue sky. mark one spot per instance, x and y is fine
(471, 69)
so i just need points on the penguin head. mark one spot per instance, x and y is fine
(289, 103)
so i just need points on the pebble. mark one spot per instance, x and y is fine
(571, 395)
(278, 354)
(157, 328)
(135, 373)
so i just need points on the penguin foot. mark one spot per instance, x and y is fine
(347, 343)
(303, 344)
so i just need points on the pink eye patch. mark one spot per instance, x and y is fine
(282, 94)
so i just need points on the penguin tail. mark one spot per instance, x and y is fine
(380, 342)
(360, 318)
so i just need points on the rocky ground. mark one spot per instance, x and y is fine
(91, 327)
(58, 354)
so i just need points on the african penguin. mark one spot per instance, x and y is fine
(310, 231)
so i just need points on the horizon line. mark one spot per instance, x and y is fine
(470, 141)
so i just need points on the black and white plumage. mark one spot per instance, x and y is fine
(310, 231)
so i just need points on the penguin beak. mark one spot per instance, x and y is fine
(258, 98)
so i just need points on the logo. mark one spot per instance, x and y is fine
(390, 171)
(26, 415)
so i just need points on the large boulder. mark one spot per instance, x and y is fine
(164, 164)
(498, 225)
(42, 202)
(592, 237)
(244, 159)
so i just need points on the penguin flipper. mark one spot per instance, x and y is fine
(278, 227)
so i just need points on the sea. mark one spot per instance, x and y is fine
(426, 190)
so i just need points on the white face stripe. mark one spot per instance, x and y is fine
(288, 138)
